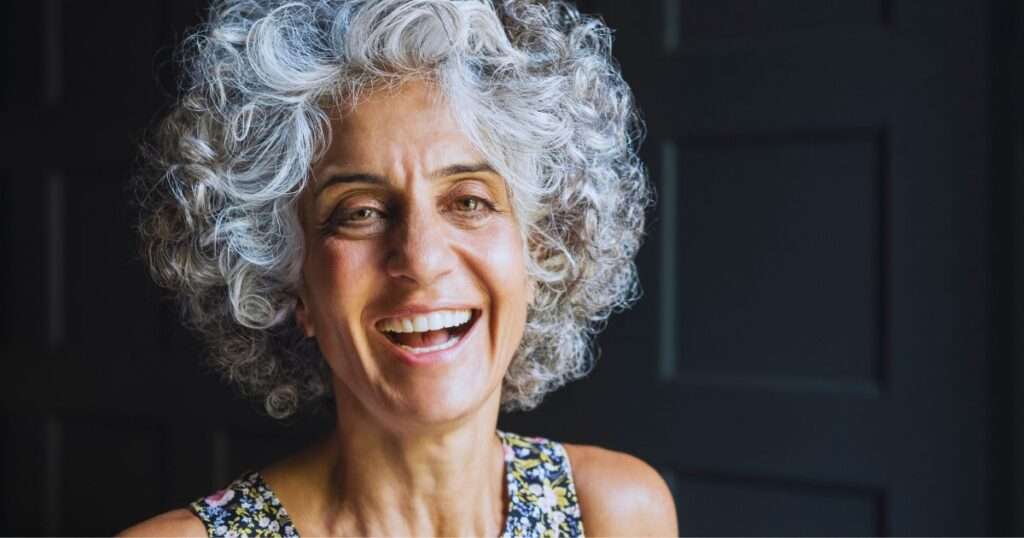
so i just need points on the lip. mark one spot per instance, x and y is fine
(442, 356)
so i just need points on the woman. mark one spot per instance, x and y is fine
(417, 211)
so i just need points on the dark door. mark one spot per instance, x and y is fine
(108, 415)
(812, 353)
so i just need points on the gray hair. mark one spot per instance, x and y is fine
(534, 87)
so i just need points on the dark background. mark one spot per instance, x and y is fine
(829, 340)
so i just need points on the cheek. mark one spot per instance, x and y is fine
(341, 284)
(338, 279)
(501, 265)
(501, 258)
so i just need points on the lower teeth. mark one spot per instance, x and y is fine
(444, 345)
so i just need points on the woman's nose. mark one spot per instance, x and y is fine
(421, 251)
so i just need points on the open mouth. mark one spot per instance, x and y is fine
(425, 333)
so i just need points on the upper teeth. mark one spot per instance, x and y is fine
(427, 322)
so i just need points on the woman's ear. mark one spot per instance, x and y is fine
(302, 316)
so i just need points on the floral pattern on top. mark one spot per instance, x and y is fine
(542, 498)
(245, 509)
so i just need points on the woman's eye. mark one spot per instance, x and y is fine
(361, 214)
(357, 219)
(470, 204)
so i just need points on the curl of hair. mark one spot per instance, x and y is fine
(533, 85)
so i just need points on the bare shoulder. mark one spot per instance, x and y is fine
(179, 522)
(620, 494)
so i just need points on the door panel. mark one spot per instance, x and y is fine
(811, 345)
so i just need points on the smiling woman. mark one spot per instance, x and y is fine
(418, 211)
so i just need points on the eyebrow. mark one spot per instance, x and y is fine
(450, 170)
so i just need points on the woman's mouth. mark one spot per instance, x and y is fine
(426, 333)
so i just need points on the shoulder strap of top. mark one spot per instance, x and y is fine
(247, 507)
(540, 488)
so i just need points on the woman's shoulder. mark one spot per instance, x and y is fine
(180, 522)
(620, 494)
(246, 506)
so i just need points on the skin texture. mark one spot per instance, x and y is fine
(415, 450)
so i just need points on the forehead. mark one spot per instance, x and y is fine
(409, 125)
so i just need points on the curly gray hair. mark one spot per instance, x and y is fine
(533, 85)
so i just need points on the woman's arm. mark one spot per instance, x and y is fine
(620, 495)
(179, 522)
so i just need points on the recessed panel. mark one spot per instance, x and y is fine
(712, 506)
(713, 18)
(779, 259)
(22, 459)
(6, 245)
(22, 58)
(24, 231)
(102, 68)
(112, 308)
(108, 456)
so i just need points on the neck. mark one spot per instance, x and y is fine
(443, 480)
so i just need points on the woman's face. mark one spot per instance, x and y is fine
(415, 281)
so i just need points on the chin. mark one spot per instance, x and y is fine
(441, 401)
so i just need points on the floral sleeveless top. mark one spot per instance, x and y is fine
(542, 498)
